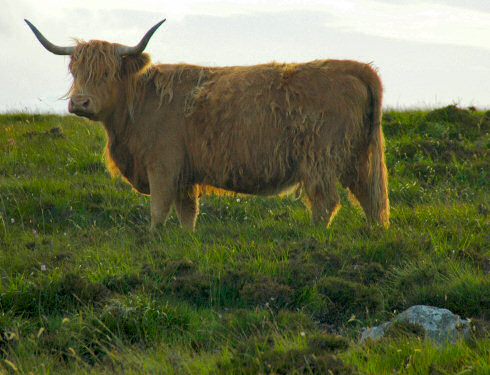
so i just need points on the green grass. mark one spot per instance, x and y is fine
(85, 287)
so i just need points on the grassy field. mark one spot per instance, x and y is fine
(86, 288)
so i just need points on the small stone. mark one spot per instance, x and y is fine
(374, 332)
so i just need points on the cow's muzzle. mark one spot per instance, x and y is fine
(81, 105)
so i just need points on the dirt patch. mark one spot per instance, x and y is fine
(55, 132)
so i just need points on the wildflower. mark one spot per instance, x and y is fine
(43, 267)
(41, 330)
(12, 220)
(11, 364)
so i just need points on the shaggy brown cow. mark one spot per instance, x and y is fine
(173, 130)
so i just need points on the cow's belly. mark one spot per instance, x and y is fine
(238, 180)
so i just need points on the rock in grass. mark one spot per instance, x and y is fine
(439, 324)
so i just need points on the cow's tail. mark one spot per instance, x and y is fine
(378, 206)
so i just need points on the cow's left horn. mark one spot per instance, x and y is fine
(53, 48)
(140, 47)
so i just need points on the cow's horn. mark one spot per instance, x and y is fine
(57, 50)
(140, 47)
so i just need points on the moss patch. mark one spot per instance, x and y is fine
(318, 356)
(346, 298)
(266, 292)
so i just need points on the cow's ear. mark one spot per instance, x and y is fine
(135, 64)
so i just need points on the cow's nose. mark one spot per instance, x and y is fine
(81, 101)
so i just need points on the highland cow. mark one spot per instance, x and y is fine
(175, 131)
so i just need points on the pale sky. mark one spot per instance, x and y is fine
(429, 53)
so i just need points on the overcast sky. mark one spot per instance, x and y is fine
(428, 52)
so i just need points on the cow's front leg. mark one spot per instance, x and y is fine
(324, 200)
(162, 196)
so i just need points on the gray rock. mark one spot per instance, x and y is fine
(441, 325)
(375, 332)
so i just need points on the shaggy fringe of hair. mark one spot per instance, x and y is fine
(93, 62)
(97, 61)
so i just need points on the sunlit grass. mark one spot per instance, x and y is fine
(86, 288)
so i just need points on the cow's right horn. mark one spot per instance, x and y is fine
(140, 47)
(53, 48)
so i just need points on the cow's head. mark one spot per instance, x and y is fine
(100, 71)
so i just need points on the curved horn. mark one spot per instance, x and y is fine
(140, 47)
(53, 48)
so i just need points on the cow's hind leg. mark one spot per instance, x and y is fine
(161, 199)
(187, 207)
(359, 192)
(371, 192)
(323, 199)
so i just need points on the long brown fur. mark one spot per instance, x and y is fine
(259, 129)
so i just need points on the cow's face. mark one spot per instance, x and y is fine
(103, 73)
(100, 77)
(96, 78)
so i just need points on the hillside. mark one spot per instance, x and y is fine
(85, 287)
